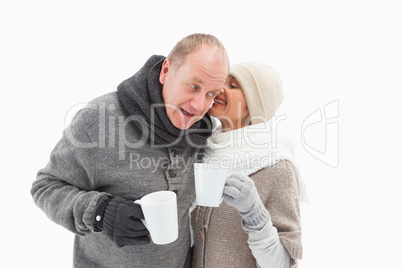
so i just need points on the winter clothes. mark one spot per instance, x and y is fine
(231, 237)
(221, 240)
(116, 146)
(262, 88)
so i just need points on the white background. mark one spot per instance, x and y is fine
(57, 54)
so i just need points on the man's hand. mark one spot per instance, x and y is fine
(121, 220)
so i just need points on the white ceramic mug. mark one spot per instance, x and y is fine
(209, 183)
(160, 213)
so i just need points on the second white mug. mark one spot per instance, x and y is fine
(209, 183)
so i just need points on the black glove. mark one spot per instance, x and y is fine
(120, 218)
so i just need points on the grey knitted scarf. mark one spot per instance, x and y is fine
(141, 96)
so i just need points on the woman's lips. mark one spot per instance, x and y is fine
(219, 101)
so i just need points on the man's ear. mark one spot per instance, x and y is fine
(165, 70)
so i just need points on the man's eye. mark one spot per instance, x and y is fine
(211, 94)
(194, 87)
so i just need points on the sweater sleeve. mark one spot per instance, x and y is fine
(267, 249)
(64, 188)
(285, 209)
(278, 189)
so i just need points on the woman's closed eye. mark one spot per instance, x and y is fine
(233, 85)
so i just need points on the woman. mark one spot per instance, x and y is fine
(258, 225)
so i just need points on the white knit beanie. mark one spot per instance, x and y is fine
(262, 87)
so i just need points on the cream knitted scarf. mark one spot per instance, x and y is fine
(250, 149)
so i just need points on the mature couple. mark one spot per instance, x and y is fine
(190, 107)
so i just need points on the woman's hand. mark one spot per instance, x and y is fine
(240, 192)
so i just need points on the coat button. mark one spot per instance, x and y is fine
(172, 174)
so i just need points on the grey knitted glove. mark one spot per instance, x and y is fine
(241, 193)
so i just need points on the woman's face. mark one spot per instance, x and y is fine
(230, 107)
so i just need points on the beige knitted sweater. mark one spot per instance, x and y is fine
(220, 240)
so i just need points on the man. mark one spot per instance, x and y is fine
(143, 138)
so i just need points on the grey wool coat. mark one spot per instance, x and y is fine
(105, 150)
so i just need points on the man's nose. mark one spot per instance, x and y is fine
(198, 102)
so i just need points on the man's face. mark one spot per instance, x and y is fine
(189, 90)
